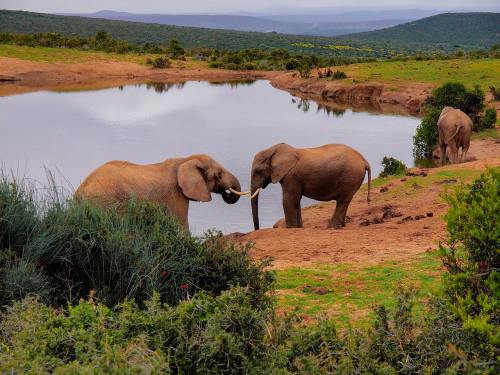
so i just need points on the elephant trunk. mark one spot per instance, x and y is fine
(230, 197)
(255, 207)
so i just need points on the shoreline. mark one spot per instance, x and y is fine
(21, 76)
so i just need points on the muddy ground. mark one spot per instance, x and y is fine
(404, 219)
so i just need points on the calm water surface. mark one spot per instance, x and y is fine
(73, 133)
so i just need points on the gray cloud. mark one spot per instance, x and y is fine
(194, 6)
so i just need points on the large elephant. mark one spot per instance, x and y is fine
(330, 172)
(173, 183)
(455, 130)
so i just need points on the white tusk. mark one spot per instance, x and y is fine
(255, 194)
(240, 193)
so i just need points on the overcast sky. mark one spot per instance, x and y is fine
(227, 6)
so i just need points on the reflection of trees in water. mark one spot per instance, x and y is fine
(302, 104)
(161, 87)
(233, 84)
(336, 112)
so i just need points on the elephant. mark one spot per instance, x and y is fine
(455, 130)
(172, 183)
(329, 172)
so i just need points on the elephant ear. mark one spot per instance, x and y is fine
(191, 181)
(284, 159)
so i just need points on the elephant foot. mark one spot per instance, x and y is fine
(335, 226)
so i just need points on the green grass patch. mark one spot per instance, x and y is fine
(348, 294)
(72, 56)
(484, 72)
(487, 134)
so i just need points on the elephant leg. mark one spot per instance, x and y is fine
(338, 219)
(453, 153)
(442, 147)
(180, 212)
(291, 207)
(299, 218)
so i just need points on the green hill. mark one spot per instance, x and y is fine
(467, 30)
(136, 32)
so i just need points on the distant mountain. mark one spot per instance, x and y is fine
(227, 22)
(313, 25)
(463, 29)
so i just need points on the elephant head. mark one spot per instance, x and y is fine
(270, 166)
(201, 175)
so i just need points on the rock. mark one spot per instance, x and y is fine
(419, 217)
(429, 214)
(385, 189)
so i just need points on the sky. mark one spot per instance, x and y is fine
(232, 6)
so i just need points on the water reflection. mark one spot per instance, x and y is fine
(162, 87)
(76, 132)
(233, 84)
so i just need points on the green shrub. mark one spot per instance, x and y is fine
(339, 75)
(292, 64)
(472, 257)
(426, 134)
(175, 49)
(489, 120)
(68, 249)
(495, 93)
(392, 167)
(206, 335)
(161, 63)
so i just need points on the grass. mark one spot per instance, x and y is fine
(72, 56)
(484, 72)
(487, 134)
(348, 294)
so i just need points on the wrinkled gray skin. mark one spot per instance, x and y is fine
(455, 130)
(330, 172)
(173, 183)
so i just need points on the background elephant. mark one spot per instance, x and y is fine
(173, 182)
(455, 130)
(330, 172)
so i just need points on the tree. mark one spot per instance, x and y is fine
(175, 49)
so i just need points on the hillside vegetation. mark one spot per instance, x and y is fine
(479, 28)
(190, 37)
(451, 29)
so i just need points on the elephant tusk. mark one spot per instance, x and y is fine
(240, 193)
(256, 193)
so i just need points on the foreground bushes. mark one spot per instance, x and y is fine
(61, 251)
(457, 333)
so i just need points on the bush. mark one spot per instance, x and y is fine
(489, 119)
(392, 167)
(426, 135)
(175, 49)
(339, 75)
(67, 249)
(161, 63)
(206, 335)
(472, 258)
(495, 93)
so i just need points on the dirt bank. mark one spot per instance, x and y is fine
(21, 76)
(405, 98)
(403, 220)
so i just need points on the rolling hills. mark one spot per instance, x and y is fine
(463, 29)
(438, 33)
(332, 25)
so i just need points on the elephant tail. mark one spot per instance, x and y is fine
(455, 134)
(369, 170)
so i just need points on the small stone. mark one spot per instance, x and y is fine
(419, 217)
(429, 214)
(385, 189)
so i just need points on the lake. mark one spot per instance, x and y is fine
(72, 133)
